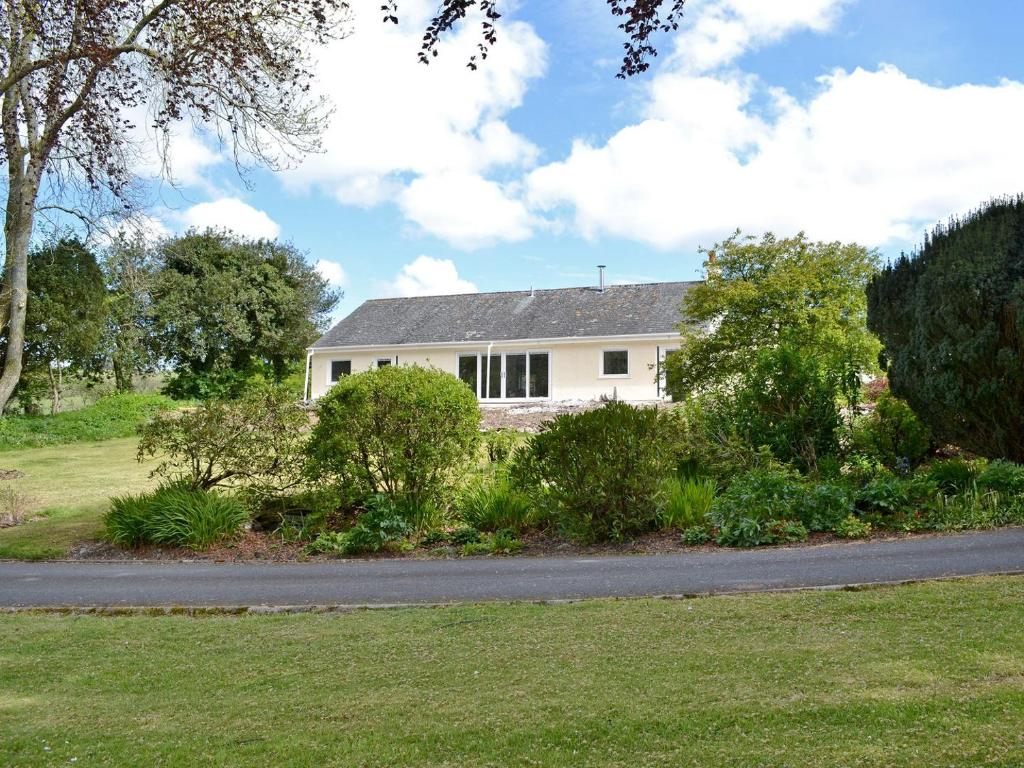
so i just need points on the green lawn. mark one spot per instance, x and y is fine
(924, 675)
(70, 486)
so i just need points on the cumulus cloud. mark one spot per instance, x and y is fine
(427, 276)
(465, 209)
(398, 122)
(332, 272)
(232, 215)
(874, 155)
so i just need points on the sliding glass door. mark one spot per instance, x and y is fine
(506, 375)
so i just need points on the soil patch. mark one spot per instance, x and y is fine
(10, 474)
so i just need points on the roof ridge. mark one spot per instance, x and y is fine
(535, 290)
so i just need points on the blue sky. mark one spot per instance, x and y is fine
(863, 120)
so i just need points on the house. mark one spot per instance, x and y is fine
(516, 346)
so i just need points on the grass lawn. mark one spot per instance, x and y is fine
(924, 675)
(70, 486)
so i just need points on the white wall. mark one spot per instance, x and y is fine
(575, 366)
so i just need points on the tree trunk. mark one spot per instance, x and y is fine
(55, 386)
(122, 371)
(21, 201)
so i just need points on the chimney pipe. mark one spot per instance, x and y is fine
(600, 275)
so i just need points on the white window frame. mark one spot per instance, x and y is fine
(600, 364)
(330, 364)
(662, 379)
(481, 374)
(376, 361)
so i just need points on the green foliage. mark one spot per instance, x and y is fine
(711, 445)
(760, 494)
(897, 501)
(65, 315)
(785, 401)
(380, 525)
(955, 475)
(405, 431)
(973, 509)
(1002, 476)
(226, 309)
(950, 316)
(465, 534)
(110, 417)
(500, 444)
(824, 505)
(256, 442)
(685, 502)
(759, 293)
(602, 468)
(751, 532)
(130, 269)
(493, 503)
(892, 433)
(852, 527)
(174, 515)
(696, 535)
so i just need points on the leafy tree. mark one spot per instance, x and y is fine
(761, 293)
(951, 317)
(73, 73)
(66, 314)
(227, 309)
(130, 270)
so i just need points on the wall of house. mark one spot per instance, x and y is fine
(575, 367)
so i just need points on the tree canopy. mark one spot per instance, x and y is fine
(762, 293)
(225, 309)
(951, 317)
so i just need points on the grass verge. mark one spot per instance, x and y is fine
(69, 487)
(922, 675)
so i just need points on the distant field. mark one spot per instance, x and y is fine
(70, 485)
(926, 675)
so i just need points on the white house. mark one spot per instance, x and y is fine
(516, 346)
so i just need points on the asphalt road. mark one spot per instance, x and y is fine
(365, 582)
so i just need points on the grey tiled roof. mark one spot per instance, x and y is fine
(620, 310)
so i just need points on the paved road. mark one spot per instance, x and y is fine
(527, 578)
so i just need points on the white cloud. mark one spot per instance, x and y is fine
(427, 276)
(398, 121)
(873, 156)
(332, 272)
(232, 215)
(465, 209)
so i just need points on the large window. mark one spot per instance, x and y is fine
(615, 362)
(340, 368)
(508, 375)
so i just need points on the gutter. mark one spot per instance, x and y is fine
(305, 385)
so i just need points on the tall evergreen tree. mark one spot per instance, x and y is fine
(951, 317)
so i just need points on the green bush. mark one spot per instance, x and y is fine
(685, 502)
(380, 525)
(500, 444)
(892, 433)
(174, 515)
(255, 443)
(404, 431)
(955, 475)
(973, 509)
(492, 504)
(852, 527)
(824, 505)
(750, 532)
(760, 494)
(1002, 476)
(890, 496)
(110, 417)
(601, 469)
(696, 535)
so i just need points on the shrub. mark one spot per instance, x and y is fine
(174, 515)
(1002, 476)
(750, 532)
(256, 442)
(602, 468)
(696, 535)
(822, 506)
(712, 446)
(404, 431)
(380, 525)
(852, 527)
(500, 444)
(464, 535)
(491, 504)
(892, 433)
(760, 494)
(955, 475)
(685, 502)
(973, 509)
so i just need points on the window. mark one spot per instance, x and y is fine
(469, 372)
(506, 375)
(539, 377)
(383, 362)
(340, 368)
(615, 362)
(515, 375)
